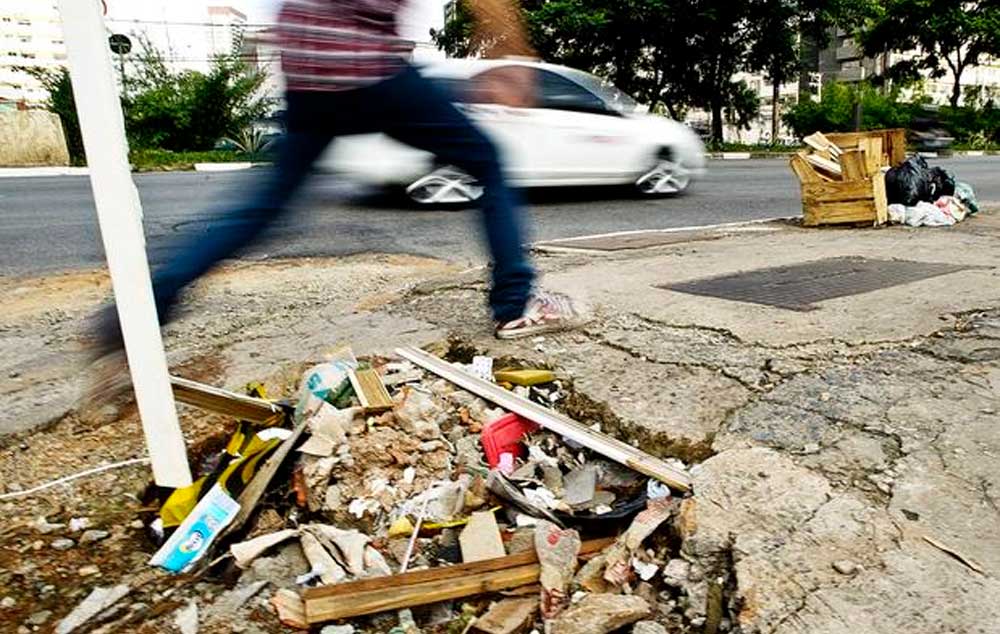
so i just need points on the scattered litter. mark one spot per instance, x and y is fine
(77, 524)
(524, 378)
(99, 599)
(193, 537)
(955, 554)
(245, 552)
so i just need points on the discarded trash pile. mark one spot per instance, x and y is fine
(920, 195)
(410, 482)
(864, 178)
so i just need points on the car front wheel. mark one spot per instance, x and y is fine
(666, 176)
(445, 186)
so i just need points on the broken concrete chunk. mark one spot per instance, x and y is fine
(648, 627)
(337, 629)
(580, 486)
(186, 618)
(676, 572)
(509, 616)
(845, 567)
(99, 599)
(63, 543)
(480, 539)
(291, 610)
(45, 527)
(645, 523)
(93, 535)
(245, 552)
(600, 614)
(418, 413)
(557, 551)
(591, 575)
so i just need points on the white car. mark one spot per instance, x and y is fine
(583, 131)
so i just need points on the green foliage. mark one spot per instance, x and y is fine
(61, 102)
(670, 54)
(190, 110)
(835, 113)
(950, 35)
(153, 160)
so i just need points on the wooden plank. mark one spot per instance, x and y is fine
(819, 142)
(857, 211)
(852, 162)
(803, 170)
(445, 573)
(825, 165)
(874, 157)
(880, 198)
(837, 192)
(371, 602)
(370, 390)
(239, 406)
(609, 447)
(255, 489)
(370, 596)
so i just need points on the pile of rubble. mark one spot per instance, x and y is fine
(420, 495)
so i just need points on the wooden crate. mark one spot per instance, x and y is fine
(845, 184)
(845, 202)
(891, 149)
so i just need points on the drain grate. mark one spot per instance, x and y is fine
(800, 286)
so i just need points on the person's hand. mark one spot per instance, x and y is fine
(515, 86)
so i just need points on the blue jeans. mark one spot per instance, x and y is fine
(406, 107)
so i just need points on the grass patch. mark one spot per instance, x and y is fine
(167, 161)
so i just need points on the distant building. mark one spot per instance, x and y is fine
(188, 34)
(30, 36)
(842, 61)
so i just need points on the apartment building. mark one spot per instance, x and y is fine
(843, 61)
(30, 36)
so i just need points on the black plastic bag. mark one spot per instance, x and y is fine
(909, 183)
(942, 183)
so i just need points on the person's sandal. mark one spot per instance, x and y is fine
(545, 312)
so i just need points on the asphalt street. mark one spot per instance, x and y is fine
(49, 224)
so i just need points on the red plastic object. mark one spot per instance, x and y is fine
(504, 436)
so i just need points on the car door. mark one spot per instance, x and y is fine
(580, 137)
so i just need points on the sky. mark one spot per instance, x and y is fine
(419, 17)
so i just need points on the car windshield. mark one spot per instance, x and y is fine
(608, 93)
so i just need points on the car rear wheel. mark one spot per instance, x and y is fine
(445, 186)
(666, 176)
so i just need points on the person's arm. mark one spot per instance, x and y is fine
(500, 28)
(500, 31)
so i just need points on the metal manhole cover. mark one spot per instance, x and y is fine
(800, 286)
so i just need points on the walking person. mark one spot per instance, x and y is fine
(347, 72)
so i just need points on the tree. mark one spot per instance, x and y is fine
(189, 110)
(61, 102)
(948, 35)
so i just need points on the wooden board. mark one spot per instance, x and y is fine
(874, 157)
(852, 162)
(824, 165)
(422, 587)
(893, 143)
(609, 447)
(803, 169)
(238, 406)
(880, 198)
(838, 203)
(370, 390)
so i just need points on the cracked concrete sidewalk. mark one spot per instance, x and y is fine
(826, 441)
(843, 435)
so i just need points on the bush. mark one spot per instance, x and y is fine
(835, 113)
(61, 102)
(152, 160)
(190, 111)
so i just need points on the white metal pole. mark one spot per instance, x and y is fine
(119, 213)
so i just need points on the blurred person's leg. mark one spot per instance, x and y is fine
(420, 114)
(238, 226)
